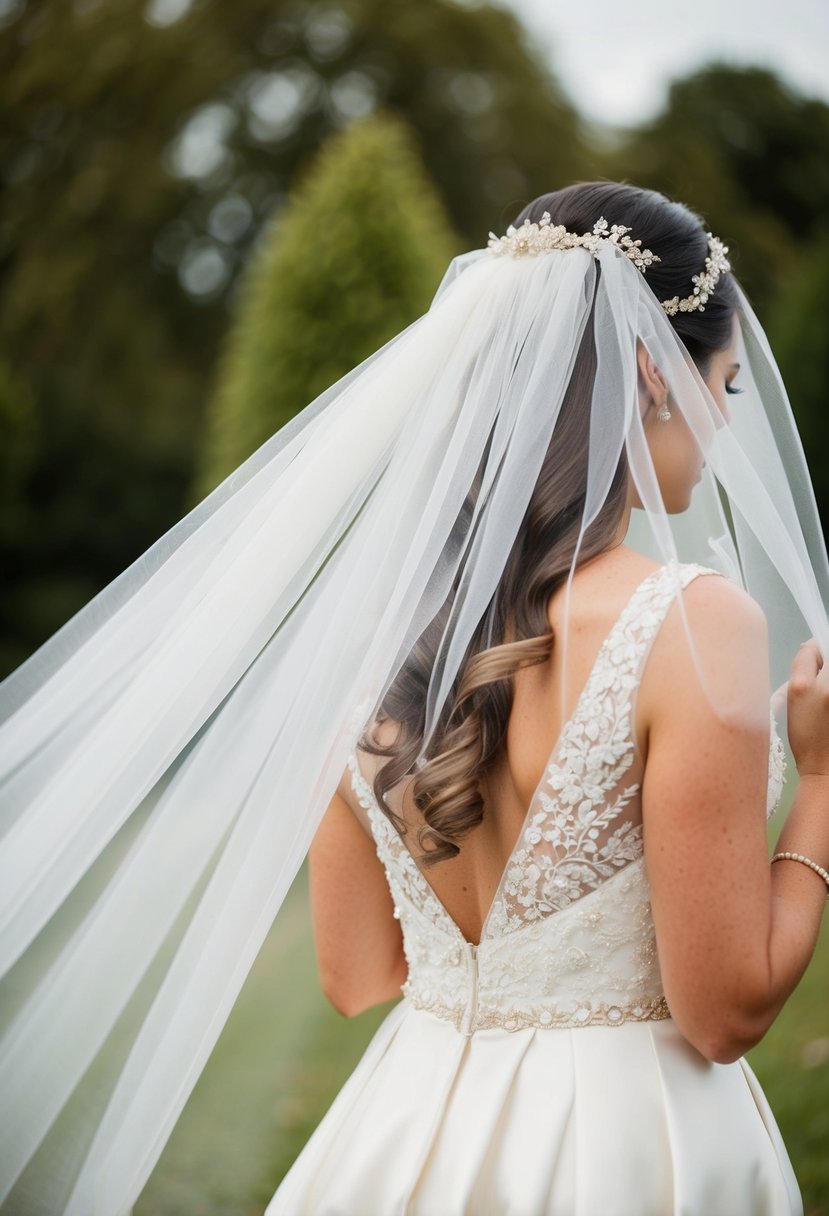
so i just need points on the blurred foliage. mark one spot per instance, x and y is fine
(143, 146)
(799, 335)
(351, 261)
(18, 439)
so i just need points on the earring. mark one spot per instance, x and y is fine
(663, 413)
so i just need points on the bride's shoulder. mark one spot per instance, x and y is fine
(711, 598)
(717, 617)
(717, 603)
(715, 645)
(600, 588)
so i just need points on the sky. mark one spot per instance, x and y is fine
(615, 60)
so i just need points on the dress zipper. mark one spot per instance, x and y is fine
(472, 1007)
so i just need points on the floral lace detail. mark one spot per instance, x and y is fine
(567, 846)
(777, 770)
(404, 877)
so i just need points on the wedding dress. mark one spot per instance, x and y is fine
(539, 1072)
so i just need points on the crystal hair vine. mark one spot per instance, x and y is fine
(704, 283)
(545, 236)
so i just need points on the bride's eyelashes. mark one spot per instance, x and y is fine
(730, 389)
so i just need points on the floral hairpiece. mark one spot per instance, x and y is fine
(715, 264)
(545, 236)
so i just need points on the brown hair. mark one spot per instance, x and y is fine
(514, 630)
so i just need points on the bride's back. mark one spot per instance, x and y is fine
(467, 883)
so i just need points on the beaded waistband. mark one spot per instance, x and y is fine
(600, 1014)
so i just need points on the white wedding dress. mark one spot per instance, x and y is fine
(539, 1073)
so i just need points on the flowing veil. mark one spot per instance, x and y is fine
(166, 757)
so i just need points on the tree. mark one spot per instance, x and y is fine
(750, 155)
(798, 325)
(353, 258)
(139, 184)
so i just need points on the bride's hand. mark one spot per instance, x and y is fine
(808, 711)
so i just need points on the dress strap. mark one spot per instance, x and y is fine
(633, 635)
(361, 789)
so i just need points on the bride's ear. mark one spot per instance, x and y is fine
(652, 383)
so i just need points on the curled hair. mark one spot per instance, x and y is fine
(514, 631)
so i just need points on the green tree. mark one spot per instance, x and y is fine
(18, 438)
(798, 328)
(352, 259)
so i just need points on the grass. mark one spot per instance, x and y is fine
(285, 1053)
(278, 1064)
(792, 1065)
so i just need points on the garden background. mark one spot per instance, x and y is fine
(198, 199)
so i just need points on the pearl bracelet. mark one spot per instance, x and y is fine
(807, 862)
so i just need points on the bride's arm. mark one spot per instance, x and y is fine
(358, 941)
(734, 933)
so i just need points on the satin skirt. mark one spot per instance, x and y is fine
(625, 1120)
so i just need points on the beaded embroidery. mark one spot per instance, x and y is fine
(602, 1014)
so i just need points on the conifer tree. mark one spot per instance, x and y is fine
(354, 256)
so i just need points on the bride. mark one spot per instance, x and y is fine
(585, 968)
(491, 628)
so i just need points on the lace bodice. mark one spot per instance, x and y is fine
(569, 939)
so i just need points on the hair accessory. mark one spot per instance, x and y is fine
(545, 236)
(813, 865)
(715, 264)
(663, 413)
